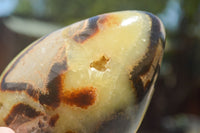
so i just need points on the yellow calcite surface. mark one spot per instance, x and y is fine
(94, 76)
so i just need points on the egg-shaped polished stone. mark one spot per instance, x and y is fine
(94, 76)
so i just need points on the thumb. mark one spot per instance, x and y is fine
(6, 130)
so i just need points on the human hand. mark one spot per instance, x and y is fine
(6, 130)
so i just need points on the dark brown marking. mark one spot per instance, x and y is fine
(70, 132)
(54, 85)
(41, 124)
(83, 97)
(50, 98)
(1, 104)
(16, 86)
(53, 120)
(145, 65)
(138, 84)
(147, 85)
(57, 69)
(156, 33)
(141, 69)
(33, 93)
(86, 32)
(109, 20)
(20, 87)
(117, 123)
(21, 112)
(90, 27)
(33, 125)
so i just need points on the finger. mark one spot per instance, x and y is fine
(6, 130)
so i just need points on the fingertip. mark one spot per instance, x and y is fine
(6, 130)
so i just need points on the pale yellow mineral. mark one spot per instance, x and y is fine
(94, 76)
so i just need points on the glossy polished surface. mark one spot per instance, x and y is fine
(94, 76)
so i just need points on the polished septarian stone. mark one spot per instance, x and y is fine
(94, 76)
